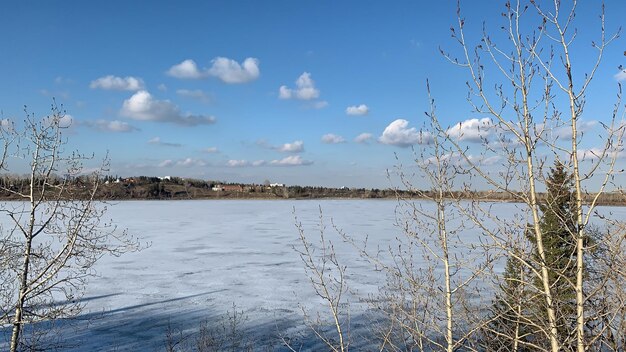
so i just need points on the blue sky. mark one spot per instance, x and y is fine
(297, 92)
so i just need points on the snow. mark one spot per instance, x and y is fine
(205, 256)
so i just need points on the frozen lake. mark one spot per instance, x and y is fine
(205, 256)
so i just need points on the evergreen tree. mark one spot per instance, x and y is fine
(515, 305)
(508, 330)
(558, 226)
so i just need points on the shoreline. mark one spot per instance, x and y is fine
(330, 198)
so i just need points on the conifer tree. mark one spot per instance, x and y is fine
(517, 311)
(508, 330)
(558, 226)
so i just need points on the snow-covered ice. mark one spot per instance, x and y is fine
(205, 256)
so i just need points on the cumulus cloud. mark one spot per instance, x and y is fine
(7, 125)
(237, 163)
(110, 126)
(284, 92)
(292, 160)
(63, 121)
(158, 141)
(305, 89)
(295, 147)
(595, 153)
(357, 110)
(491, 160)
(620, 76)
(225, 69)
(66, 121)
(186, 70)
(472, 130)
(399, 134)
(111, 82)
(364, 138)
(581, 127)
(197, 94)
(143, 107)
(189, 162)
(230, 71)
(330, 138)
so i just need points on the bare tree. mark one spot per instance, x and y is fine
(56, 234)
(328, 279)
(535, 112)
(531, 102)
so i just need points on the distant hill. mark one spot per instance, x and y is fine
(172, 188)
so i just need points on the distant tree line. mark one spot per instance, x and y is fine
(151, 187)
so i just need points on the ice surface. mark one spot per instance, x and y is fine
(206, 255)
(203, 256)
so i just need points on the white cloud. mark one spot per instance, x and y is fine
(364, 138)
(284, 92)
(162, 87)
(292, 160)
(357, 110)
(259, 163)
(295, 147)
(230, 71)
(581, 127)
(63, 121)
(142, 106)
(225, 69)
(595, 153)
(158, 141)
(110, 126)
(399, 134)
(492, 160)
(66, 121)
(211, 150)
(305, 89)
(186, 70)
(111, 82)
(620, 76)
(472, 130)
(189, 162)
(197, 94)
(7, 125)
(330, 138)
(237, 163)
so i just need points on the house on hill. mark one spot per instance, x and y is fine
(233, 188)
(228, 188)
